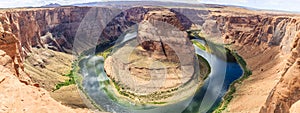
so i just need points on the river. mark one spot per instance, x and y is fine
(95, 85)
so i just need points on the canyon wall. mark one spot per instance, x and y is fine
(263, 33)
(29, 25)
(21, 29)
(56, 28)
(270, 45)
(268, 42)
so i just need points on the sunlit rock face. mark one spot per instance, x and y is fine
(157, 66)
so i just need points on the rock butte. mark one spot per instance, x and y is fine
(162, 59)
(268, 41)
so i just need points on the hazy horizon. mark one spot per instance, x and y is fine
(283, 5)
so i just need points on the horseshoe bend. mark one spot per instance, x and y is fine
(160, 62)
(149, 57)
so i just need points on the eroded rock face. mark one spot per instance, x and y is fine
(10, 56)
(286, 92)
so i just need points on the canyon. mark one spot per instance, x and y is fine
(34, 40)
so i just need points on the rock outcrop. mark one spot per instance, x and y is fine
(159, 64)
(11, 57)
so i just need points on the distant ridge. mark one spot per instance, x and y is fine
(128, 4)
(52, 5)
(144, 3)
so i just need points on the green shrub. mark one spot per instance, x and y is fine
(68, 82)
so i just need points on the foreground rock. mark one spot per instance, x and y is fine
(19, 97)
(11, 57)
(295, 107)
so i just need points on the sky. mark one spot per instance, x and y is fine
(285, 5)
